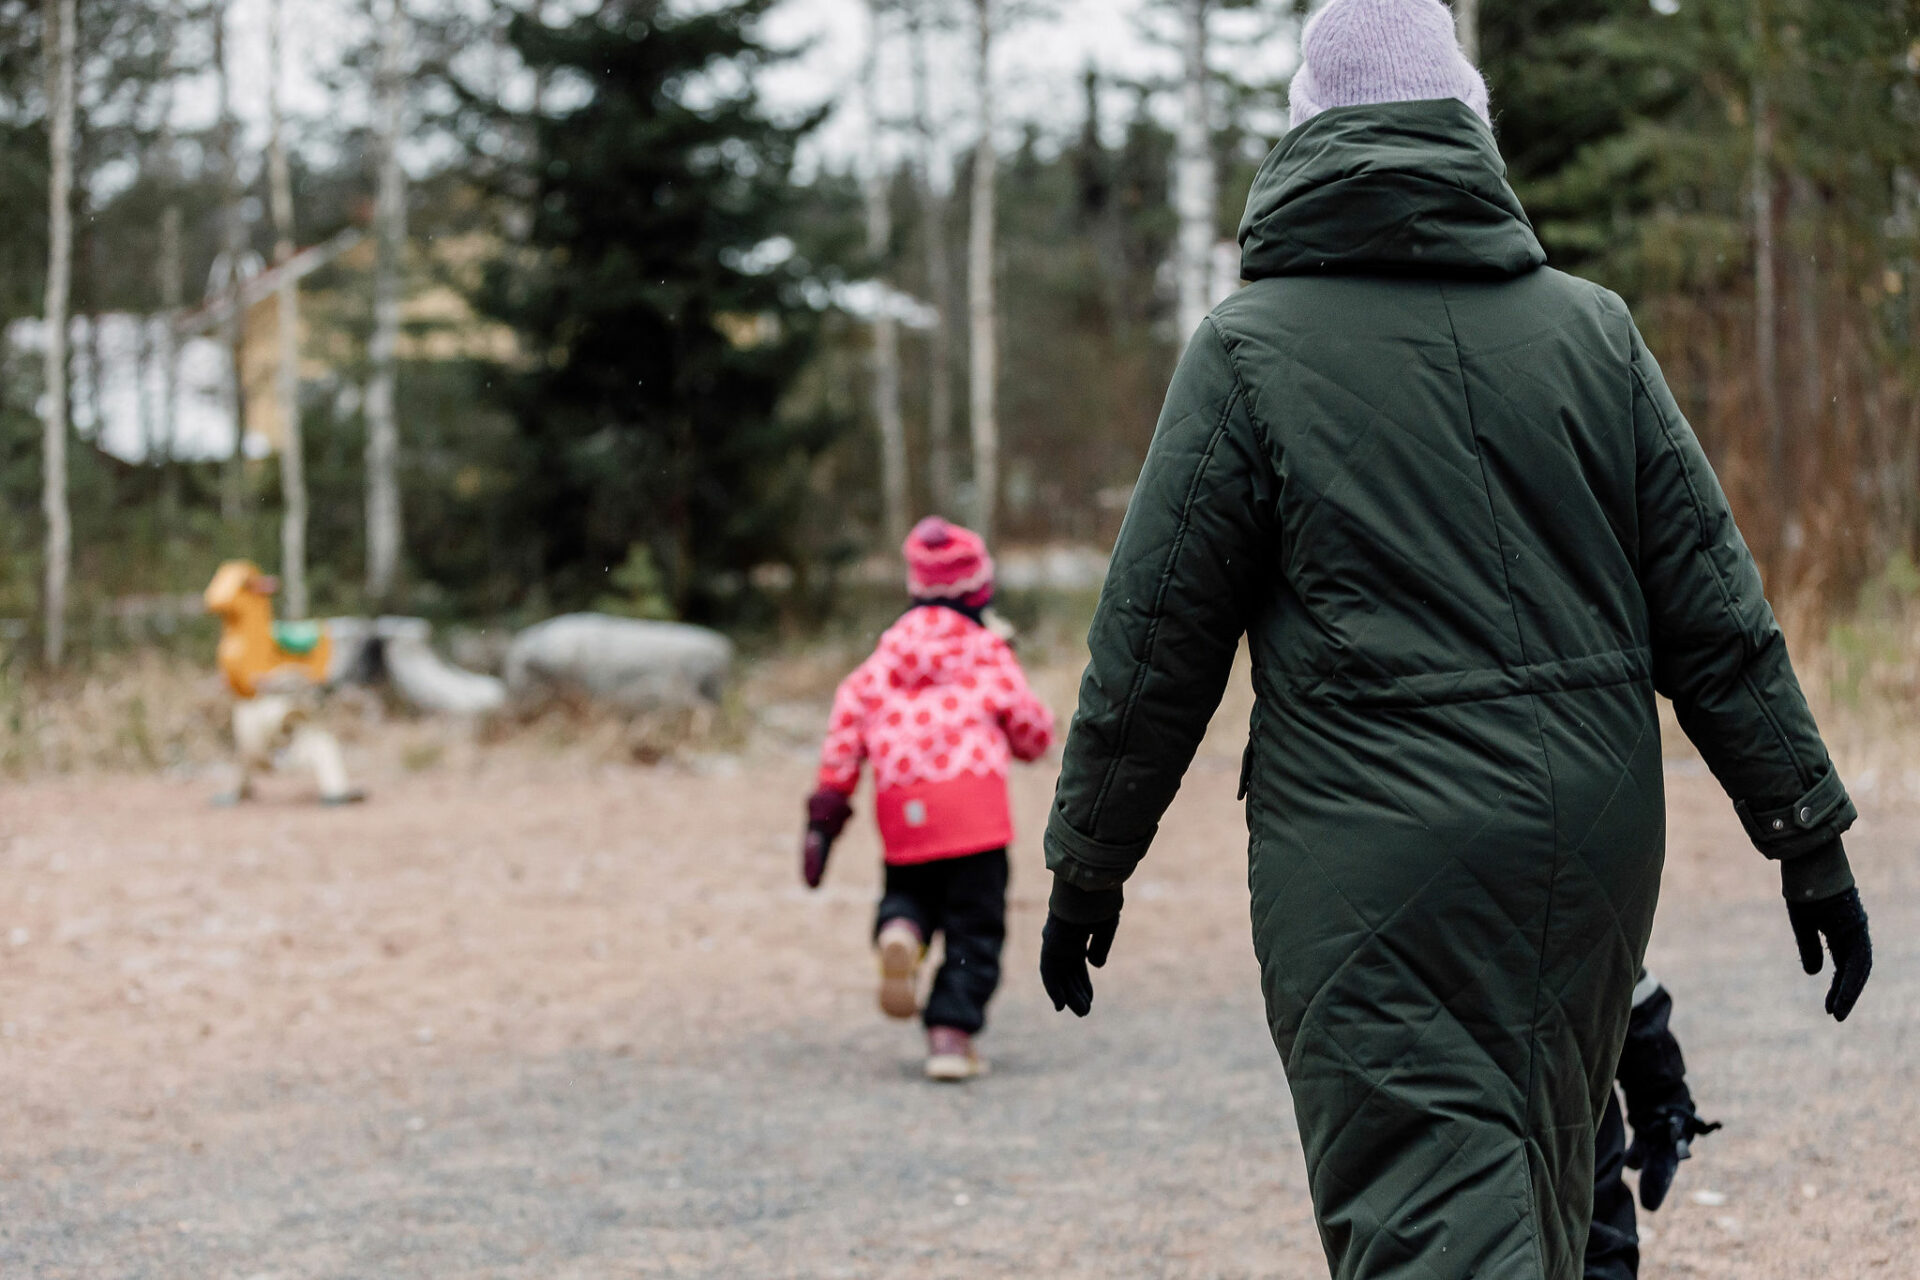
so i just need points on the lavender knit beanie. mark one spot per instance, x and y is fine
(1361, 51)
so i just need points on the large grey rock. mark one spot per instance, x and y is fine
(366, 649)
(424, 679)
(625, 663)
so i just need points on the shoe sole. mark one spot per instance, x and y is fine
(899, 973)
(951, 1068)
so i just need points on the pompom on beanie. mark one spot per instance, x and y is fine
(1360, 51)
(947, 562)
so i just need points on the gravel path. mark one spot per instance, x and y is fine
(516, 1019)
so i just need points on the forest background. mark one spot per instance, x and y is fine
(482, 311)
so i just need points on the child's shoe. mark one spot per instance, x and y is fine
(901, 948)
(950, 1055)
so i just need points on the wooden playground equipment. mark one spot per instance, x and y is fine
(276, 670)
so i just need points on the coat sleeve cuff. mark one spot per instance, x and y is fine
(1091, 864)
(1809, 824)
(1083, 906)
(1823, 873)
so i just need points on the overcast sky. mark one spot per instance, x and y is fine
(1037, 67)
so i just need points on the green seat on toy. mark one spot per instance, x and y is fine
(297, 638)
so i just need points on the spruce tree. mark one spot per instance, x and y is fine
(659, 304)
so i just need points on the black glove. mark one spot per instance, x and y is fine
(1660, 1142)
(1842, 921)
(1653, 1076)
(827, 813)
(1079, 931)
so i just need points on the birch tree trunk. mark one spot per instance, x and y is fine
(982, 303)
(1466, 21)
(383, 433)
(886, 328)
(59, 42)
(94, 366)
(169, 268)
(293, 471)
(1765, 289)
(233, 330)
(143, 343)
(933, 219)
(1804, 214)
(1196, 195)
(1838, 459)
(539, 108)
(170, 305)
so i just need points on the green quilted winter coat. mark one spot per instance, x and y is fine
(1446, 495)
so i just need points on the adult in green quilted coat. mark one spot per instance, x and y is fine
(1446, 495)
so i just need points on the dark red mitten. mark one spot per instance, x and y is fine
(827, 814)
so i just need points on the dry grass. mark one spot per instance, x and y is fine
(1865, 679)
(139, 711)
(151, 710)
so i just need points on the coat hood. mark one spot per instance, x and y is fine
(1387, 188)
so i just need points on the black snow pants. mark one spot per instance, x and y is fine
(964, 899)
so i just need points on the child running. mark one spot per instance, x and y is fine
(938, 709)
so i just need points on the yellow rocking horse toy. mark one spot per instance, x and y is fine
(274, 669)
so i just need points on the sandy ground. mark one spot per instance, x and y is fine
(526, 1017)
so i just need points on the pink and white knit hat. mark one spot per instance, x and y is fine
(947, 562)
(1360, 51)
